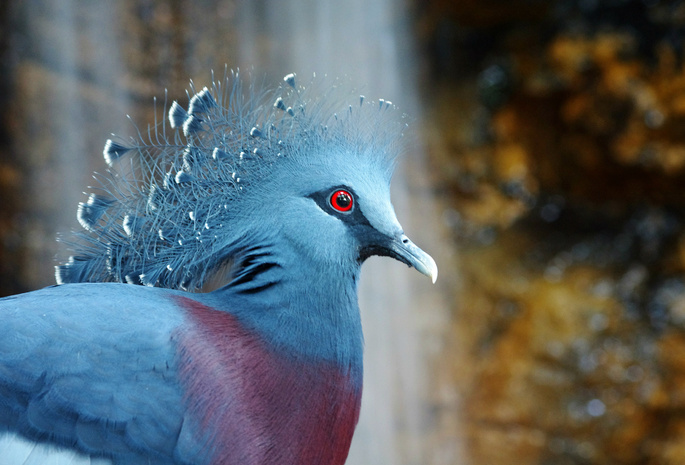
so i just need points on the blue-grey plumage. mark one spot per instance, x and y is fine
(193, 200)
(77, 364)
(289, 193)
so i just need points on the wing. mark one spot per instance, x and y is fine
(16, 450)
(93, 367)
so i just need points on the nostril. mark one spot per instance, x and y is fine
(405, 240)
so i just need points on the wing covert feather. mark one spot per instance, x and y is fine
(95, 366)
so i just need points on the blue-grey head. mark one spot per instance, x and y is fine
(239, 169)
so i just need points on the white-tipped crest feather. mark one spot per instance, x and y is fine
(180, 212)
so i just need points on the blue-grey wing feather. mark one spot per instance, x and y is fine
(92, 366)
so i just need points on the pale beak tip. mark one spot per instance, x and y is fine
(406, 251)
(427, 266)
(432, 270)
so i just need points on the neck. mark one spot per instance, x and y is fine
(300, 306)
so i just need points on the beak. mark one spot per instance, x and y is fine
(404, 250)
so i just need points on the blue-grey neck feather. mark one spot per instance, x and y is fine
(266, 294)
(180, 202)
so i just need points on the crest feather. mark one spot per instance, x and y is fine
(169, 210)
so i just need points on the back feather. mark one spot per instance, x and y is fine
(174, 204)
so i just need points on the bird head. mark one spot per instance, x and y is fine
(336, 208)
(293, 163)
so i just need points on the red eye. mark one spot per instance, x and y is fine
(342, 201)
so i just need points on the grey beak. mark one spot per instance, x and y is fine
(406, 251)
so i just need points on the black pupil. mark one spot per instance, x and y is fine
(343, 200)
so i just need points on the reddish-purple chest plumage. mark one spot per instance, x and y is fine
(256, 406)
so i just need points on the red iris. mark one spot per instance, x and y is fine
(342, 201)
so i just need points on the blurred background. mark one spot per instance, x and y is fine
(546, 177)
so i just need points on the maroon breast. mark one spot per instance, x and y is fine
(256, 406)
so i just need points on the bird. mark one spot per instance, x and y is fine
(209, 312)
